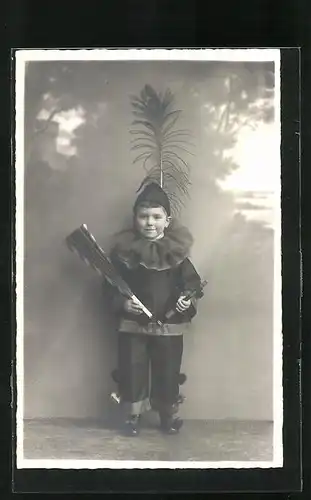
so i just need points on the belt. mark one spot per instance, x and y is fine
(167, 329)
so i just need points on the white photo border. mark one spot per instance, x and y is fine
(233, 55)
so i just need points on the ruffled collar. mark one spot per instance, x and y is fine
(133, 250)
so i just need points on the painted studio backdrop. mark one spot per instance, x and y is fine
(79, 169)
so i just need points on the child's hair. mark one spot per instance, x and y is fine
(148, 204)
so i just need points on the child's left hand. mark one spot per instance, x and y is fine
(182, 304)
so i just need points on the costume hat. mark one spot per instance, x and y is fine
(153, 193)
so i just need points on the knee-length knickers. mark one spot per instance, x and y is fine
(149, 370)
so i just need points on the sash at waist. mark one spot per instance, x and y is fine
(130, 326)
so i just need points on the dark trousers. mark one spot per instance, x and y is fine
(149, 368)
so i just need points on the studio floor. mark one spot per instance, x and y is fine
(198, 441)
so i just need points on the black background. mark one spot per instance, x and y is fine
(179, 24)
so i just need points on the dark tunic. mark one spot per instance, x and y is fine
(149, 356)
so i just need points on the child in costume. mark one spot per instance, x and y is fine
(153, 258)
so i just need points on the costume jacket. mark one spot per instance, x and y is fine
(158, 272)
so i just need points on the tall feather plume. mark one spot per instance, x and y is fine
(162, 148)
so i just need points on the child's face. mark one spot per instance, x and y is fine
(151, 222)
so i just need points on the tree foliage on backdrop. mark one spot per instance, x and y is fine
(232, 95)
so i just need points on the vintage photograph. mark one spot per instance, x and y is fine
(148, 258)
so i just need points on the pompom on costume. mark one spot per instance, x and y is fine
(149, 356)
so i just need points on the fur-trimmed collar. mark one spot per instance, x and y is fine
(133, 250)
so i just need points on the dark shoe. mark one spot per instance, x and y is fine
(170, 425)
(132, 425)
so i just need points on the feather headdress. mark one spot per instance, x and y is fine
(163, 147)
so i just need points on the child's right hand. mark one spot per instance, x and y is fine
(131, 307)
